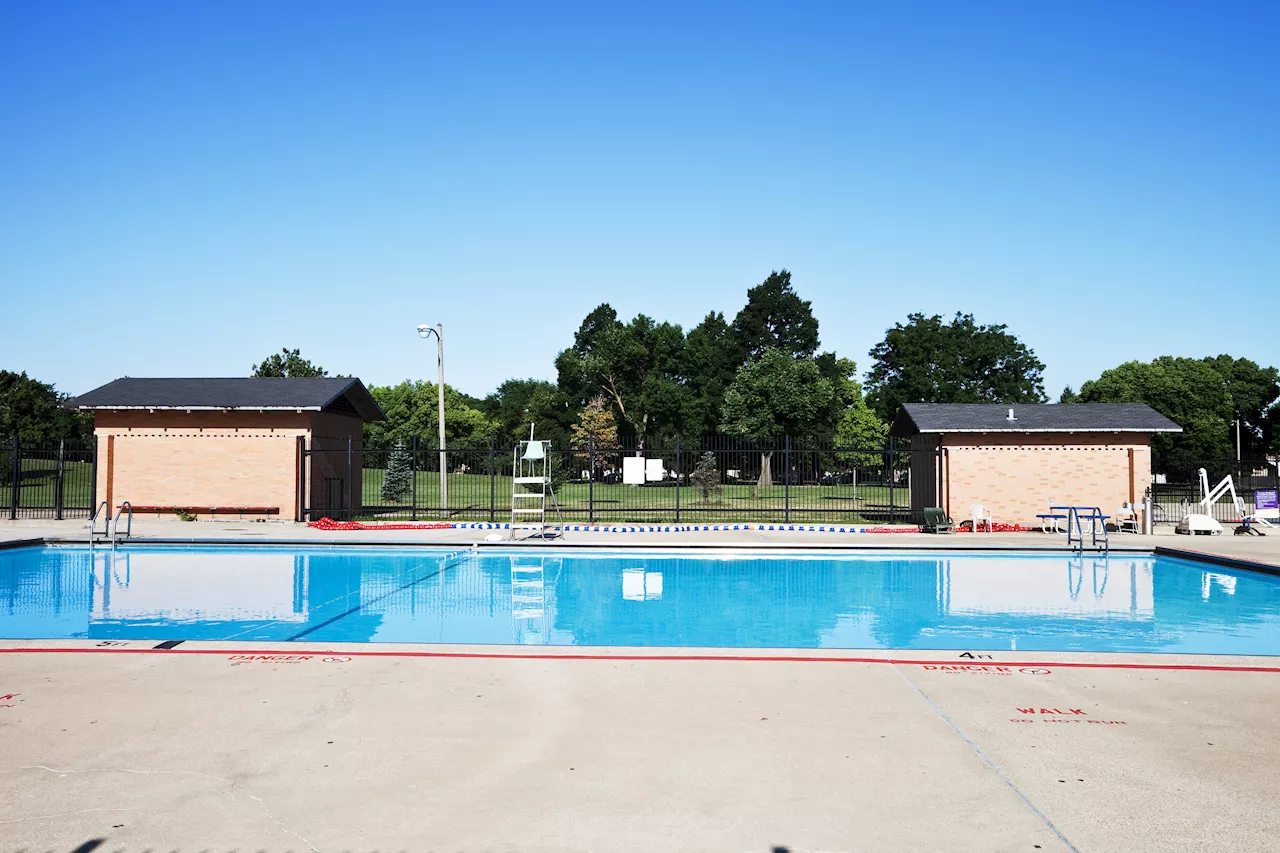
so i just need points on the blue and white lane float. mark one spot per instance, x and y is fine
(687, 528)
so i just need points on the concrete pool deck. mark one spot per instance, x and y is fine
(210, 746)
(364, 747)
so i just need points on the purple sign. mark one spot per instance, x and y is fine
(1266, 499)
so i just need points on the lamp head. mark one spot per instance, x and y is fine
(424, 331)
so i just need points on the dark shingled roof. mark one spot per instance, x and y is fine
(347, 396)
(915, 418)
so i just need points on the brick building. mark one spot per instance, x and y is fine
(1017, 460)
(228, 446)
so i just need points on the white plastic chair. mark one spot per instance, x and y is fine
(1126, 519)
(981, 515)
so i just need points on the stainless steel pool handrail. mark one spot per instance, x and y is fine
(115, 526)
(93, 521)
(1075, 530)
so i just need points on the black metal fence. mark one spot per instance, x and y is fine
(53, 480)
(715, 477)
(1176, 488)
(808, 481)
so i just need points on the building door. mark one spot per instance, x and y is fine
(335, 497)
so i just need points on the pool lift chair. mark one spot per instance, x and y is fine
(1204, 523)
(530, 488)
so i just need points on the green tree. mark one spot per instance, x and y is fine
(846, 391)
(1068, 396)
(287, 363)
(1203, 396)
(860, 428)
(397, 483)
(706, 477)
(595, 427)
(929, 361)
(710, 361)
(32, 410)
(1254, 391)
(635, 366)
(775, 318)
(519, 402)
(775, 395)
(411, 410)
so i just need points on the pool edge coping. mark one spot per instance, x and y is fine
(897, 545)
(1216, 559)
(24, 543)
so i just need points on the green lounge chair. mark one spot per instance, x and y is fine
(936, 521)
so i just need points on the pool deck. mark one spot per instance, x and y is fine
(363, 747)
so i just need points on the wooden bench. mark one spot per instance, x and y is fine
(209, 510)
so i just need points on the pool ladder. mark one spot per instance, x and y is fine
(1075, 529)
(110, 526)
(115, 525)
(104, 511)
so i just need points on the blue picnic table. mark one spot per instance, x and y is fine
(1062, 513)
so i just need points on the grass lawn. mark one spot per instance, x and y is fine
(39, 482)
(469, 499)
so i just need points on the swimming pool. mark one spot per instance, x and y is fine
(564, 596)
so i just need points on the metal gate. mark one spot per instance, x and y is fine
(53, 480)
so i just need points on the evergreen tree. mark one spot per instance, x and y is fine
(706, 477)
(398, 481)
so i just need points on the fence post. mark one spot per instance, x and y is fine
(58, 480)
(302, 479)
(677, 480)
(492, 486)
(937, 462)
(93, 475)
(893, 474)
(17, 478)
(591, 479)
(413, 466)
(347, 510)
(786, 489)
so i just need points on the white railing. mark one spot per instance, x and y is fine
(115, 525)
(105, 511)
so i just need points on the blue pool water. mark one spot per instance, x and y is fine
(561, 596)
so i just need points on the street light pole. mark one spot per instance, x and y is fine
(425, 331)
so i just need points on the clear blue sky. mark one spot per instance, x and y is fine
(187, 187)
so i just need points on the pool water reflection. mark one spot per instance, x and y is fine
(559, 596)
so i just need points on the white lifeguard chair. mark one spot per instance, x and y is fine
(531, 486)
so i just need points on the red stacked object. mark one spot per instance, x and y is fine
(327, 523)
(996, 527)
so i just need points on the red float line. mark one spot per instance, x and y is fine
(296, 652)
